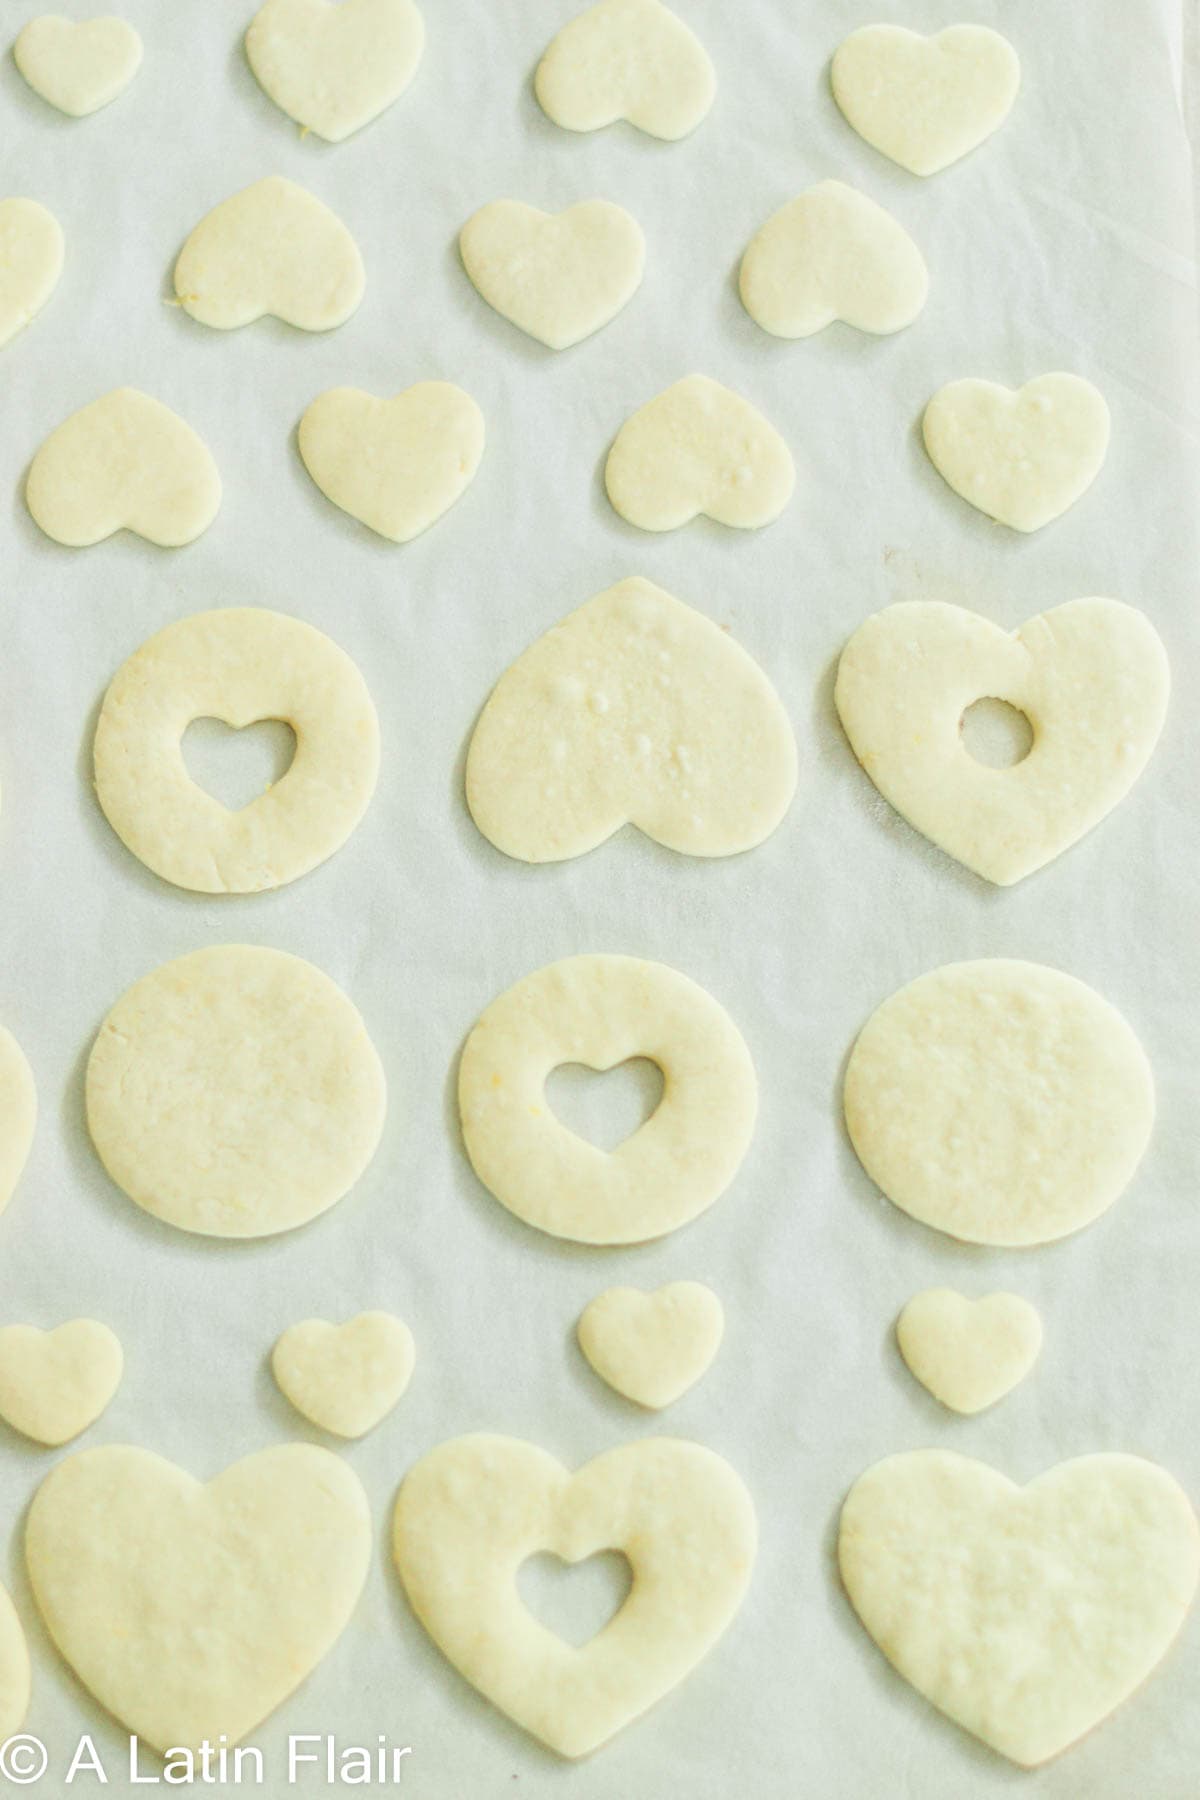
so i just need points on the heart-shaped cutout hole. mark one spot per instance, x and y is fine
(234, 766)
(605, 1106)
(575, 1600)
(996, 734)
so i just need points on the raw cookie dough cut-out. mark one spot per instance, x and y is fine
(635, 709)
(125, 462)
(345, 1378)
(1024, 455)
(557, 276)
(601, 1011)
(78, 67)
(395, 465)
(1025, 1614)
(54, 1384)
(925, 101)
(968, 1353)
(15, 1672)
(234, 1092)
(1091, 676)
(476, 1508)
(1001, 1102)
(627, 59)
(18, 1114)
(191, 1610)
(31, 260)
(652, 1347)
(334, 68)
(272, 248)
(698, 448)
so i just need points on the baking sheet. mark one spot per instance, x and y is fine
(1065, 242)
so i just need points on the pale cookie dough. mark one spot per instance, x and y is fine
(1002, 1102)
(234, 1092)
(1091, 676)
(925, 101)
(395, 465)
(272, 248)
(31, 260)
(968, 1353)
(18, 1114)
(652, 1347)
(637, 710)
(124, 462)
(78, 67)
(191, 1610)
(557, 276)
(241, 664)
(1023, 455)
(476, 1508)
(1026, 1614)
(698, 448)
(54, 1384)
(15, 1673)
(627, 59)
(602, 1010)
(832, 254)
(335, 68)
(345, 1378)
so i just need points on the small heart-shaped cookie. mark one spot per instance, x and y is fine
(698, 448)
(399, 464)
(832, 254)
(31, 260)
(54, 1384)
(925, 101)
(627, 59)
(15, 1674)
(78, 68)
(635, 709)
(1091, 676)
(968, 1353)
(1023, 455)
(345, 1378)
(1025, 1614)
(272, 248)
(335, 68)
(124, 462)
(652, 1347)
(558, 276)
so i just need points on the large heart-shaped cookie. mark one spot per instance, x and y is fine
(559, 276)
(272, 248)
(345, 1378)
(334, 68)
(54, 1384)
(627, 59)
(968, 1353)
(633, 709)
(698, 448)
(1025, 1614)
(1091, 676)
(78, 67)
(1023, 455)
(31, 260)
(398, 464)
(473, 1510)
(191, 1610)
(652, 1347)
(925, 101)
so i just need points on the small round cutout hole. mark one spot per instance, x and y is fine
(996, 734)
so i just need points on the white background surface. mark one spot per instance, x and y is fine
(1064, 243)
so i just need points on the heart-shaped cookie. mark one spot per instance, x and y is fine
(1023, 455)
(652, 1347)
(15, 1676)
(1026, 1614)
(334, 68)
(832, 254)
(473, 1510)
(627, 59)
(272, 248)
(124, 462)
(31, 260)
(78, 68)
(1091, 676)
(558, 276)
(398, 464)
(345, 1378)
(968, 1353)
(54, 1384)
(925, 101)
(698, 448)
(634, 709)
(191, 1610)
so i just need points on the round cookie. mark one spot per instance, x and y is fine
(18, 1114)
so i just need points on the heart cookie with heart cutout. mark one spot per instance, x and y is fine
(476, 1508)
(334, 68)
(345, 1378)
(124, 462)
(1021, 456)
(627, 59)
(54, 1384)
(272, 248)
(968, 1353)
(832, 254)
(31, 260)
(652, 1347)
(78, 68)
(925, 101)
(1025, 1614)
(1091, 676)
(558, 276)
(190, 1610)
(698, 448)
(396, 465)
